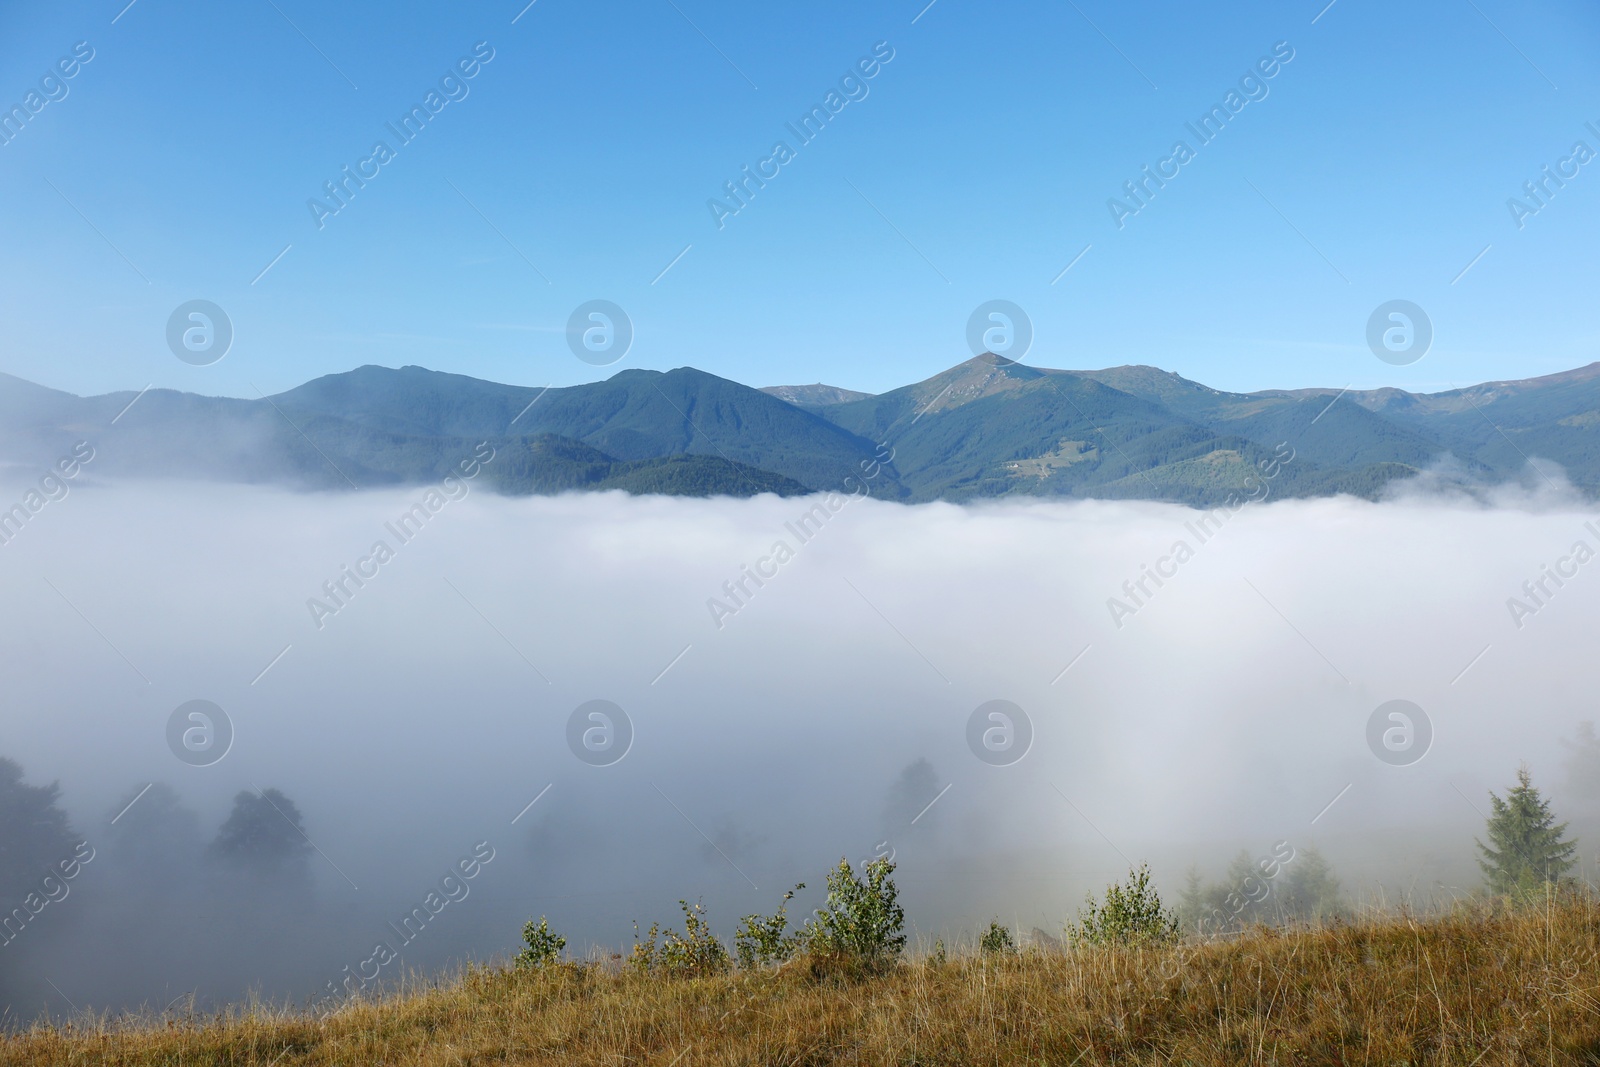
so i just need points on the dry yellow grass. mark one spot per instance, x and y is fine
(1469, 989)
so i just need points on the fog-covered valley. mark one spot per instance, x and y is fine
(421, 721)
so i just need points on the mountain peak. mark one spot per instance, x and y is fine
(981, 376)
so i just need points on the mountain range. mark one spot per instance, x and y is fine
(985, 428)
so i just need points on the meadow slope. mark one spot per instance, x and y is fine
(1473, 988)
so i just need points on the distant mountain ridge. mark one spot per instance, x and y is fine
(984, 428)
(818, 395)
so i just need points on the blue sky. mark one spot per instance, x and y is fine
(978, 166)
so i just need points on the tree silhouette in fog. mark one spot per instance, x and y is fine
(263, 838)
(157, 841)
(1290, 885)
(34, 832)
(909, 796)
(1583, 767)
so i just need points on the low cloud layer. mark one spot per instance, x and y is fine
(777, 721)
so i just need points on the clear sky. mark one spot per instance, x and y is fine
(177, 164)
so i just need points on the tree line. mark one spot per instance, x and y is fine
(155, 836)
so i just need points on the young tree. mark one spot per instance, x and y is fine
(543, 947)
(1131, 914)
(1527, 850)
(763, 939)
(34, 832)
(862, 923)
(997, 940)
(1191, 902)
(696, 952)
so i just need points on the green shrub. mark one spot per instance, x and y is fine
(997, 941)
(544, 948)
(696, 952)
(1131, 914)
(762, 939)
(862, 925)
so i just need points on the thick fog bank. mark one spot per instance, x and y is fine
(798, 680)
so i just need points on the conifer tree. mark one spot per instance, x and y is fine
(1309, 892)
(1527, 849)
(34, 833)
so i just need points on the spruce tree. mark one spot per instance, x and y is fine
(1527, 849)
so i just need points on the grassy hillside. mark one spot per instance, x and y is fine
(1487, 988)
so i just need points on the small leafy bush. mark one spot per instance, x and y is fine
(997, 941)
(695, 953)
(763, 939)
(1132, 914)
(862, 925)
(543, 947)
